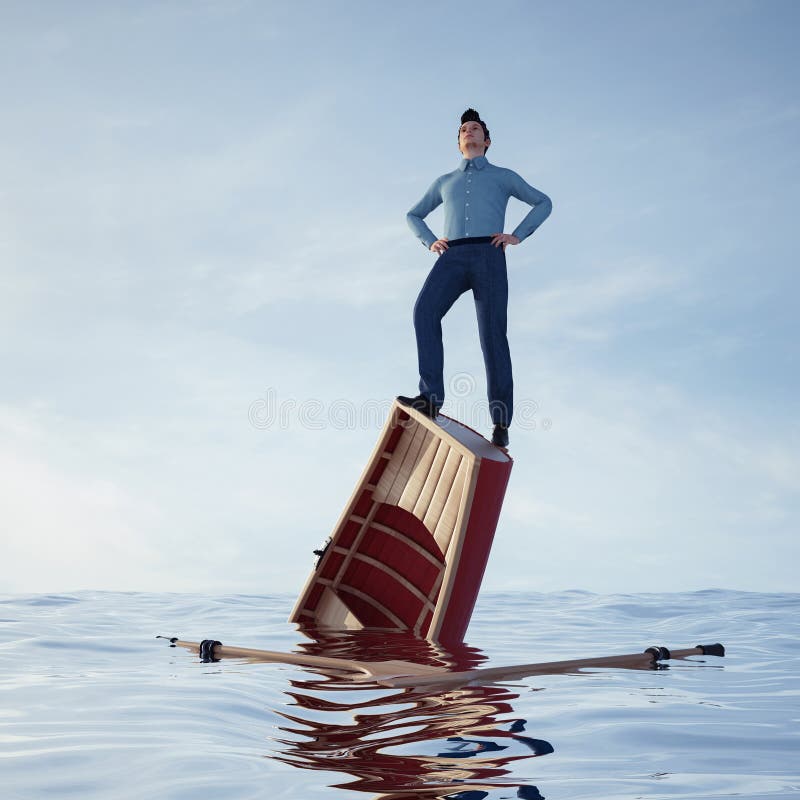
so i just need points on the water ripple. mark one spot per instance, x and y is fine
(93, 706)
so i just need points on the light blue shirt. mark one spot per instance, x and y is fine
(475, 198)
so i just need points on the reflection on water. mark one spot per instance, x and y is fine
(414, 743)
(93, 708)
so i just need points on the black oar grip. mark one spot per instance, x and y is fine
(207, 650)
(711, 649)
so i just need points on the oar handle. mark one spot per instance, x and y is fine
(711, 649)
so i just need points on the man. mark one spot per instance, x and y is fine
(471, 256)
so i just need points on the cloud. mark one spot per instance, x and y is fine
(637, 474)
(63, 527)
(347, 265)
(595, 307)
(182, 234)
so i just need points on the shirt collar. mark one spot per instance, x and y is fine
(479, 162)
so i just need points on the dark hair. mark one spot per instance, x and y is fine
(471, 115)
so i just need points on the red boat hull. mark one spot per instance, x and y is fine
(410, 549)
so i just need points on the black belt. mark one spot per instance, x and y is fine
(470, 240)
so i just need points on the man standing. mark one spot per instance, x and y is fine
(471, 256)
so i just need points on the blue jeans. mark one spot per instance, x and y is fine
(482, 268)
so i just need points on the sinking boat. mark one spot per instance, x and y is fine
(410, 548)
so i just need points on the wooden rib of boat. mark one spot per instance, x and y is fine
(411, 546)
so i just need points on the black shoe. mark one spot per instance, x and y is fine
(419, 403)
(500, 436)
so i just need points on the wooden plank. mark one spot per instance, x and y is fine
(408, 465)
(331, 610)
(416, 482)
(393, 467)
(446, 529)
(432, 479)
(442, 492)
(453, 555)
(434, 598)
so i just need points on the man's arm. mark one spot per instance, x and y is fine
(542, 206)
(415, 218)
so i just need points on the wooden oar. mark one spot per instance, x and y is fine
(647, 660)
(406, 673)
(371, 669)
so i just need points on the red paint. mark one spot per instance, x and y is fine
(486, 506)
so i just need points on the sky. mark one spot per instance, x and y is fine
(206, 284)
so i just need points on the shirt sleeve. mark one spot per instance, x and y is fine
(542, 206)
(415, 218)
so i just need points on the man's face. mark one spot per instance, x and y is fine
(471, 133)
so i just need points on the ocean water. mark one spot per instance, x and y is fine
(92, 705)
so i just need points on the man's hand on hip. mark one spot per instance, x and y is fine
(504, 239)
(439, 246)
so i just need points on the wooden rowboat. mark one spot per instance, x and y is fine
(410, 548)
